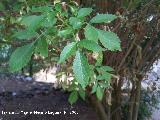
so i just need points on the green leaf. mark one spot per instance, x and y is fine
(73, 86)
(90, 45)
(49, 20)
(20, 57)
(103, 18)
(135, 4)
(75, 22)
(107, 76)
(82, 94)
(42, 9)
(25, 34)
(33, 21)
(2, 7)
(105, 84)
(99, 93)
(104, 76)
(92, 74)
(81, 69)
(99, 59)
(64, 14)
(65, 32)
(73, 9)
(51, 30)
(84, 12)
(21, 0)
(109, 40)
(91, 33)
(42, 47)
(67, 51)
(58, 7)
(73, 97)
(125, 3)
(106, 68)
(94, 88)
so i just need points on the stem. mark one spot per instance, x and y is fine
(137, 100)
(99, 108)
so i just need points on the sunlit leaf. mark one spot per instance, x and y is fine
(81, 69)
(109, 40)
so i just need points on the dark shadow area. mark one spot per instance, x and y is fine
(39, 101)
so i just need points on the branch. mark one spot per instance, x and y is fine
(126, 55)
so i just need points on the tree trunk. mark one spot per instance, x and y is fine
(134, 101)
(116, 102)
(131, 104)
(137, 100)
(107, 103)
(99, 108)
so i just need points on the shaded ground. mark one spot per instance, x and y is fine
(39, 101)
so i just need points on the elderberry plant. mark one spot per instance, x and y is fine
(72, 30)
